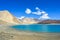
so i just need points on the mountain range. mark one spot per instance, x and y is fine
(49, 22)
(7, 18)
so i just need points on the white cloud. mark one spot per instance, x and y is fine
(43, 12)
(44, 16)
(38, 12)
(28, 11)
(22, 17)
(37, 8)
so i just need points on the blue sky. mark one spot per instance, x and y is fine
(18, 7)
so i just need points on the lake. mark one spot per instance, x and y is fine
(38, 28)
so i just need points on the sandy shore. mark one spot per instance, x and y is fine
(7, 33)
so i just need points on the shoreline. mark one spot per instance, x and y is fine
(38, 24)
(7, 33)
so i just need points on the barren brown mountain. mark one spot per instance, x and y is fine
(49, 22)
(7, 17)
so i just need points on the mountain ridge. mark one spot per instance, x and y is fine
(8, 17)
(49, 22)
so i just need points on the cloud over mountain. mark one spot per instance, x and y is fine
(44, 16)
(21, 17)
(41, 13)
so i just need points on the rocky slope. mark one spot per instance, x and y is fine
(28, 21)
(7, 17)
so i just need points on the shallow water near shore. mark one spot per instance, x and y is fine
(38, 28)
(30, 32)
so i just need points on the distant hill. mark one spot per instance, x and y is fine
(7, 17)
(49, 22)
(28, 20)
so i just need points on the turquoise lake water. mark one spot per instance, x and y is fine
(38, 28)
